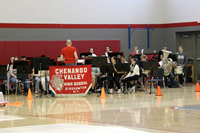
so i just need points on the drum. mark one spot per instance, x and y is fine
(178, 70)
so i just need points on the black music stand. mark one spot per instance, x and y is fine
(150, 65)
(97, 61)
(19, 65)
(85, 54)
(22, 73)
(173, 57)
(115, 54)
(106, 69)
(40, 63)
(3, 72)
(60, 63)
(123, 67)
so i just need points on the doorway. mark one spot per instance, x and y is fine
(191, 44)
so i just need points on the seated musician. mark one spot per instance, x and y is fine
(182, 61)
(144, 73)
(37, 80)
(8, 73)
(123, 59)
(114, 77)
(170, 76)
(41, 75)
(92, 51)
(136, 51)
(13, 76)
(23, 57)
(108, 50)
(95, 74)
(133, 74)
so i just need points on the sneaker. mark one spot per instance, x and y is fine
(111, 91)
(36, 92)
(133, 89)
(98, 90)
(173, 86)
(118, 91)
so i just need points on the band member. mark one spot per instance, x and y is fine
(133, 74)
(123, 59)
(8, 73)
(13, 76)
(108, 50)
(161, 52)
(136, 51)
(23, 57)
(104, 55)
(69, 53)
(114, 76)
(170, 76)
(143, 58)
(144, 72)
(92, 51)
(182, 61)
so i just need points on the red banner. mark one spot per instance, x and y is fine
(70, 79)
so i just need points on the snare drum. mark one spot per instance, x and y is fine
(178, 70)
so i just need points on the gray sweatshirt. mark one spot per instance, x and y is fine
(182, 59)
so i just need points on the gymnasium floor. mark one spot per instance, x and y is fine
(177, 111)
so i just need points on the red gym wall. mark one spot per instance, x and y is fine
(51, 49)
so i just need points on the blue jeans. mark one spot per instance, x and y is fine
(37, 80)
(14, 81)
(171, 77)
(70, 64)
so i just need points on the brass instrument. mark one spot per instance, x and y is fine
(167, 62)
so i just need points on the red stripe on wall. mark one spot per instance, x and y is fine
(96, 26)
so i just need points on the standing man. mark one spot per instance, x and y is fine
(182, 61)
(161, 52)
(69, 53)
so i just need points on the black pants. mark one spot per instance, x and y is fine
(127, 80)
(115, 78)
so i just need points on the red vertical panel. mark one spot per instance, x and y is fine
(38, 48)
(60, 46)
(51, 49)
(118, 45)
(11, 50)
(77, 45)
(25, 48)
(86, 45)
(2, 53)
(99, 47)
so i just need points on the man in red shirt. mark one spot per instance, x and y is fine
(70, 54)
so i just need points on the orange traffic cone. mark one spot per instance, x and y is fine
(29, 97)
(159, 100)
(158, 91)
(29, 104)
(197, 87)
(103, 101)
(103, 94)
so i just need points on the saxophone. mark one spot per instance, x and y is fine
(167, 62)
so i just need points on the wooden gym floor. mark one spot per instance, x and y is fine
(178, 110)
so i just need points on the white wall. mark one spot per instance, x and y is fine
(181, 11)
(82, 11)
